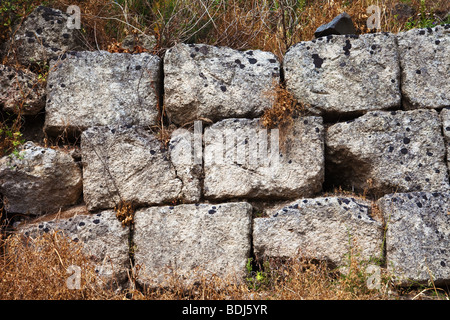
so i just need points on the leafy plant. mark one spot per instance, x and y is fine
(425, 19)
(10, 136)
(11, 11)
(259, 278)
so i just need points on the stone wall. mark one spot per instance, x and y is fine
(223, 188)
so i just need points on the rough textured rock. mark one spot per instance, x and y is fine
(341, 24)
(129, 164)
(181, 149)
(44, 35)
(384, 152)
(418, 236)
(39, 180)
(425, 62)
(445, 116)
(99, 88)
(325, 228)
(253, 166)
(104, 240)
(202, 81)
(192, 241)
(21, 88)
(338, 75)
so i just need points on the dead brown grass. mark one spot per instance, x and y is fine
(272, 25)
(37, 269)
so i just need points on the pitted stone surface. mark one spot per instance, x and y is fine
(39, 180)
(445, 117)
(104, 240)
(325, 228)
(21, 88)
(99, 88)
(203, 81)
(44, 35)
(193, 241)
(384, 152)
(425, 61)
(417, 236)
(242, 160)
(348, 74)
(183, 149)
(130, 164)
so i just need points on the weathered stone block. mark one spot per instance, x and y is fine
(417, 236)
(244, 160)
(105, 241)
(202, 81)
(39, 180)
(130, 164)
(99, 88)
(193, 242)
(46, 33)
(326, 228)
(384, 152)
(425, 61)
(345, 75)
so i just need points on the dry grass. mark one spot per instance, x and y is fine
(38, 269)
(271, 25)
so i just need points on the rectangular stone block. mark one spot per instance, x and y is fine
(425, 60)
(345, 74)
(204, 81)
(99, 88)
(103, 238)
(242, 159)
(417, 236)
(325, 228)
(388, 151)
(130, 164)
(192, 242)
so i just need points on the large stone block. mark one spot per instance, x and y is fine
(192, 242)
(417, 236)
(130, 164)
(384, 152)
(202, 81)
(345, 75)
(45, 33)
(244, 160)
(99, 88)
(39, 180)
(425, 61)
(105, 241)
(326, 228)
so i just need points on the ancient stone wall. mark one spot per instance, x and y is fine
(222, 188)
